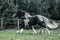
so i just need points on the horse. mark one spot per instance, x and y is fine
(27, 19)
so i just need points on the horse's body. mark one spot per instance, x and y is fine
(32, 21)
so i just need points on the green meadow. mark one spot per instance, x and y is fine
(10, 34)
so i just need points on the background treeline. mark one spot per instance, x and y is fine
(47, 8)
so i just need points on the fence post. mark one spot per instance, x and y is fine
(18, 23)
(1, 23)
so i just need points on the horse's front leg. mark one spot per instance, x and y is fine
(20, 29)
(34, 31)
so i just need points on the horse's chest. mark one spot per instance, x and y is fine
(26, 21)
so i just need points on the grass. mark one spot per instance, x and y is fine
(27, 35)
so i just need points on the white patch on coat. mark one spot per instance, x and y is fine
(40, 17)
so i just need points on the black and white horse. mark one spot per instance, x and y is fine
(27, 19)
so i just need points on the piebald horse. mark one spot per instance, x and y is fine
(27, 19)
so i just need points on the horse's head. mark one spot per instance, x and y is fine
(19, 14)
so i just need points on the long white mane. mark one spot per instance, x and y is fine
(49, 24)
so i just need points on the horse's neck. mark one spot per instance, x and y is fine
(27, 15)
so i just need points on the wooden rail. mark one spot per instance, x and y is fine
(2, 22)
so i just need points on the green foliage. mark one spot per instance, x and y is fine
(48, 8)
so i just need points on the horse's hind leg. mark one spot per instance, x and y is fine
(43, 27)
(41, 30)
(47, 30)
(34, 31)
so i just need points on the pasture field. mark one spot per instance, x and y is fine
(10, 34)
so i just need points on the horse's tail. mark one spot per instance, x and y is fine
(50, 24)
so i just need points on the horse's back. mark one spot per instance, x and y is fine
(40, 17)
(34, 20)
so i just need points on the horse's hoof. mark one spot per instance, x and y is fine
(17, 31)
(34, 33)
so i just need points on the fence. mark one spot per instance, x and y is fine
(2, 22)
(17, 20)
